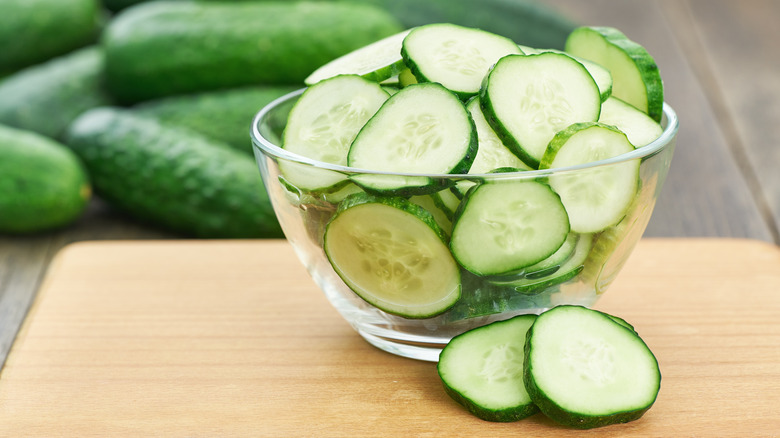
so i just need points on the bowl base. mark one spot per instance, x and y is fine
(414, 350)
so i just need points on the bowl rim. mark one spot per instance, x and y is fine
(669, 122)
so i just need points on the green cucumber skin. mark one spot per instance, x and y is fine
(164, 48)
(556, 412)
(43, 185)
(47, 97)
(33, 31)
(171, 177)
(501, 415)
(223, 115)
(645, 63)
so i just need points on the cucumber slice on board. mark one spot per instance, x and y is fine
(322, 125)
(640, 129)
(599, 197)
(527, 99)
(503, 227)
(635, 75)
(482, 369)
(457, 57)
(600, 74)
(393, 255)
(376, 62)
(422, 129)
(583, 369)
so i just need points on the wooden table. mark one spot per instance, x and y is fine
(721, 67)
(194, 339)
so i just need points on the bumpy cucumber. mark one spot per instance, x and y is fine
(482, 369)
(46, 97)
(393, 255)
(159, 49)
(172, 177)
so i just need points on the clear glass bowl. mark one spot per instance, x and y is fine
(304, 216)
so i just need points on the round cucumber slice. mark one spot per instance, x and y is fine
(321, 126)
(635, 75)
(503, 227)
(392, 254)
(526, 99)
(584, 369)
(491, 153)
(376, 62)
(455, 56)
(422, 129)
(599, 197)
(482, 369)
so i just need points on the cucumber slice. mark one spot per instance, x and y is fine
(422, 129)
(527, 99)
(492, 153)
(600, 74)
(376, 62)
(504, 227)
(442, 216)
(482, 369)
(393, 255)
(323, 123)
(599, 197)
(640, 129)
(635, 75)
(454, 56)
(585, 370)
(570, 268)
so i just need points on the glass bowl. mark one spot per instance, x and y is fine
(580, 278)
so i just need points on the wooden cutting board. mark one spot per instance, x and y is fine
(232, 338)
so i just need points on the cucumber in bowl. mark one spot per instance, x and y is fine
(392, 254)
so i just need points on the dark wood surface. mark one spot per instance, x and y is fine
(720, 64)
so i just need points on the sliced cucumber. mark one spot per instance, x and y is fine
(504, 227)
(583, 369)
(600, 74)
(442, 216)
(393, 255)
(454, 56)
(568, 270)
(482, 369)
(599, 197)
(635, 75)
(527, 99)
(422, 129)
(492, 153)
(323, 123)
(640, 129)
(376, 62)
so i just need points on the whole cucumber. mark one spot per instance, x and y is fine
(224, 115)
(42, 184)
(163, 48)
(33, 31)
(47, 97)
(172, 177)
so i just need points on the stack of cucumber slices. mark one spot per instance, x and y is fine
(442, 99)
(580, 367)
